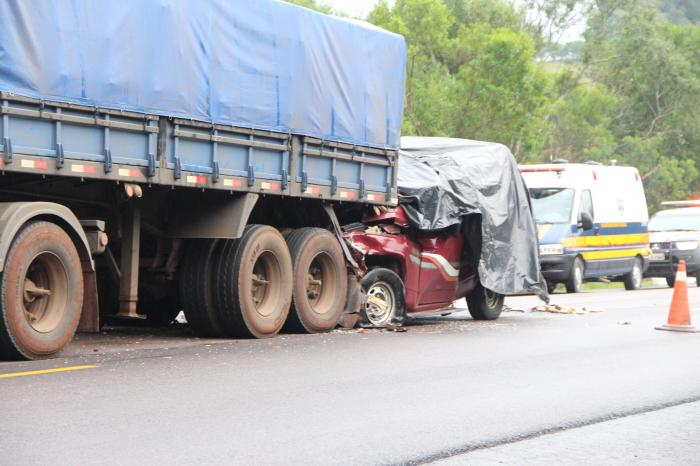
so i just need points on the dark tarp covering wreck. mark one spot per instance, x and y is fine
(444, 181)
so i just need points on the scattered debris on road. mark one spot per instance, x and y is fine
(559, 309)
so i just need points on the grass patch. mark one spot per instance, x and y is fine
(605, 286)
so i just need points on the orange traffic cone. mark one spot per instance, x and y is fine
(679, 315)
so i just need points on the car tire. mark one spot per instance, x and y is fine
(385, 298)
(633, 279)
(484, 304)
(575, 280)
(671, 281)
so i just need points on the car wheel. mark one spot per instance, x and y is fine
(671, 281)
(484, 304)
(384, 298)
(633, 280)
(575, 280)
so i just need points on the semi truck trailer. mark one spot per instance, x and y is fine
(159, 155)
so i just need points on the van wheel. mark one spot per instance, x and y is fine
(484, 304)
(385, 297)
(633, 280)
(320, 281)
(254, 286)
(575, 280)
(42, 293)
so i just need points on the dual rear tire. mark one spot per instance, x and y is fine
(252, 286)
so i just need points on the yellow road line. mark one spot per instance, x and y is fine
(46, 371)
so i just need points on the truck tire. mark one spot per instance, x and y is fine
(484, 304)
(575, 280)
(197, 288)
(41, 292)
(254, 283)
(320, 281)
(633, 279)
(385, 298)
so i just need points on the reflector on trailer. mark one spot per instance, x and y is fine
(35, 164)
(80, 168)
(232, 183)
(129, 172)
(195, 179)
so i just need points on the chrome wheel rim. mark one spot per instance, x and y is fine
(637, 275)
(380, 304)
(578, 276)
(490, 298)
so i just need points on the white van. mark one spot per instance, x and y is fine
(592, 223)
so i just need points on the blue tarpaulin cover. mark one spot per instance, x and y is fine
(253, 63)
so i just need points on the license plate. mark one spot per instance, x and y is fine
(658, 256)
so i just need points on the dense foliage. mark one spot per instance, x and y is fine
(630, 91)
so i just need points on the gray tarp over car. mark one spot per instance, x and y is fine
(441, 180)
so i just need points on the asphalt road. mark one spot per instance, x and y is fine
(530, 388)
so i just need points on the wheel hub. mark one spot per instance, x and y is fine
(380, 303)
(44, 292)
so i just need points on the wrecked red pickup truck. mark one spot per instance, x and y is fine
(415, 272)
(463, 229)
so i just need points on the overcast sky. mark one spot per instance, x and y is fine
(352, 7)
(360, 9)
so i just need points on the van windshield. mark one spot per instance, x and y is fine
(552, 205)
(687, 222)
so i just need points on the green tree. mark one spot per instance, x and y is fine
(471, 71)
(651, 67)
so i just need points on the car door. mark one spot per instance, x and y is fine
(594, 266)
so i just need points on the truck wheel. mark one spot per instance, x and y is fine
(385, 297)
(320, 281)
(254, 286)
(42, 292)
(633, 280)
(575, 280)
(484, 304)
(197, 288)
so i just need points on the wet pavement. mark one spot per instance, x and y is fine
(529, 388)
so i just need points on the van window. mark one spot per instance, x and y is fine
(552, 205)
(586, 203)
